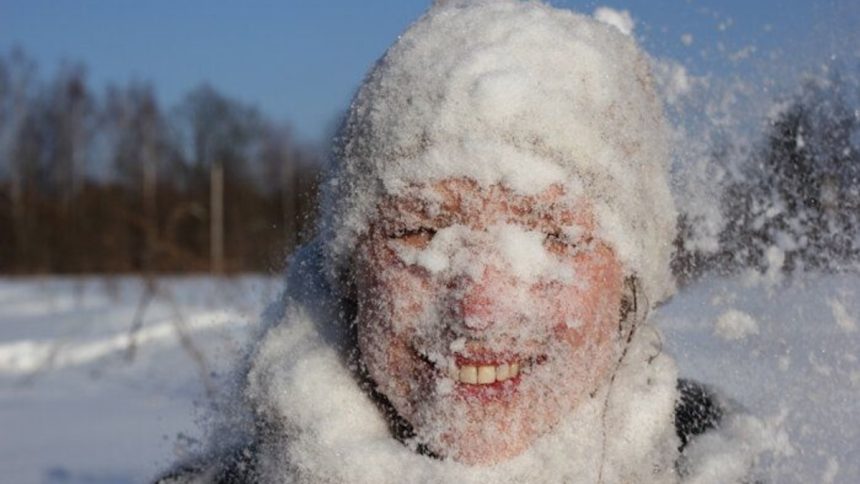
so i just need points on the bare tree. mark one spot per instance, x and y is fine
(110, 183)
(16, 83)
(138, 140)
(221, 135)
(70, 109)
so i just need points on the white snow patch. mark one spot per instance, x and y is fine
(510, 246)
(840, 315)
(25, 356)
(735, 325)
(831, 471)
(801, 367)
(773, 274)
(675, 82)
(743, 53)
(75, 408)
(620, 19)
(717, 458)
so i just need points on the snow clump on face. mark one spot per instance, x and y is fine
(517, 94)
(522, 251)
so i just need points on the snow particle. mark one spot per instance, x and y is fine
(734, 325)
(620, 19)
(845, 322)
(831, 471)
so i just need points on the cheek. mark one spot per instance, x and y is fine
(391, 292)
(588, 309)
(391, 365)
(392, 299)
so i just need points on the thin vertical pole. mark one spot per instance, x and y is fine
(216, 228)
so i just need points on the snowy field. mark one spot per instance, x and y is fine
(78, 405)
(75, 407)
(788, 352)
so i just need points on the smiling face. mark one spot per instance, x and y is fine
(485, 316)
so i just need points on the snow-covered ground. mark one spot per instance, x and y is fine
(76, 407)
(788, 353)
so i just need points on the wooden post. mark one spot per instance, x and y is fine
(216, 221)
(150, 207)
(288, 205)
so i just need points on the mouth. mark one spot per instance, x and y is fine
(486, 369)
(484, 373)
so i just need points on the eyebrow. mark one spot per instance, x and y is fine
(394, 208)
(402, 211)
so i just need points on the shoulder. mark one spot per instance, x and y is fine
(720, 441)
(697, 410)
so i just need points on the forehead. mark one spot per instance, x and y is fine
(463, 200)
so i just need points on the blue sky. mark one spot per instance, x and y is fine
(300, 61)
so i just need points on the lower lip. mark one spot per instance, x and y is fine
(491, 392)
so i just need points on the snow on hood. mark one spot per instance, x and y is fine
(513, 93)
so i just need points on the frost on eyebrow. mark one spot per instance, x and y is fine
(463, 200)
(520, 251)
(469, 227)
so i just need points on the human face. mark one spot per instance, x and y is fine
(485, 316)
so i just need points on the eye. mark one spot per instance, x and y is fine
(417, 237)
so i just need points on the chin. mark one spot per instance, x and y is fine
(457, 413)
(484, 426)
(488, 441)
(490, 424)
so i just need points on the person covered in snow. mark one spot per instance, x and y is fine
(494, 231)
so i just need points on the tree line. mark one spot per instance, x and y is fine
(112, 182)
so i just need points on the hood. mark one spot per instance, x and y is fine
(519, 94)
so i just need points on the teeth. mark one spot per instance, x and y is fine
(469, 374)
(503, 372)
(484, 374)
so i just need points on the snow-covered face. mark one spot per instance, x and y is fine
(485, 316)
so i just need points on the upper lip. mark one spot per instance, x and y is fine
(481, 357)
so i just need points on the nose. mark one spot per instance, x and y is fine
(482, 299)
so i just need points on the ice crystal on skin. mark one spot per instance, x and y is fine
(509, 290)
(523, 251)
